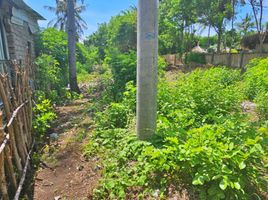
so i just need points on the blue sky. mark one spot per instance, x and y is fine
(99, 11)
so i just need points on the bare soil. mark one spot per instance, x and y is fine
(64, 172)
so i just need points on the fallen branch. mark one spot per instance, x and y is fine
(22, 180)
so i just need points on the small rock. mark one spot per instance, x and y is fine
(97, 168)
(156, 193)
(54, 136)
(80, 168)
(57, 198)
(47, 183)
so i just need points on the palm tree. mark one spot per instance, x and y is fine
(60, 22)
(246, 24)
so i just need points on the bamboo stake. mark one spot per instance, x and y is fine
(10, 168)
(10, 129)
(15, 130)
(8, 156)
(24, 174)
(3, 183)
(15, 113)
(19, 138)
(16, 97)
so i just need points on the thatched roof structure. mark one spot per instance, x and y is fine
(198, 49)
(251, 41)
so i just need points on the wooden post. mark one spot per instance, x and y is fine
(147, 68)
(241, 66)
(10, 129)
(3, 183)
(212, 58)
(7, 156)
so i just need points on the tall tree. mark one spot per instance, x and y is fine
(257, 8)
(60, 22)
(214, 13)
(177, 20)
(246, 25)
(72, 45)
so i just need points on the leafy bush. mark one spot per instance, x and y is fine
(262, 105)
(43, 116)
(202, 97)
(195, 58)
(118, 115)
(256, 78)
(47, 73)
(54, 43)
(203, 139)
(123, 67)
(87, 57)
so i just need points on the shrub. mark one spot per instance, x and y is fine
(43, 116)
(195, 58)
(256, 78)
(123, 67)
(47, 76)
(87, 57)
(262, 105)
(118, 115)
(54, 43)
(203, 139)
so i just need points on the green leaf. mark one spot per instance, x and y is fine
(223, 184)
(237, 185)
(231, 145)
(226, 170)
(216, 177)
(198, 180)
(242, 165)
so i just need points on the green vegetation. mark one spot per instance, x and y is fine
(195, 57)
(43, 116)
(52, 66)
(205, 142)
(256, 84)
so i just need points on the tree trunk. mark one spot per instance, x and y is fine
(71, 46)
(219, 41)
(147, 68)
(208, 44)
(261, 45)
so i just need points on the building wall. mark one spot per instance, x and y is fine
(20, 28)
(20, 41)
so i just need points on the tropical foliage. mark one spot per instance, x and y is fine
(60, 22)
(205, 142)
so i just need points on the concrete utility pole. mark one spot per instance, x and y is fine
(72, 36)
(147, 68)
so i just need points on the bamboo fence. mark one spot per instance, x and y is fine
(16, 141)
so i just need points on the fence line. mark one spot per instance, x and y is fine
(16, 142)
(235, 60)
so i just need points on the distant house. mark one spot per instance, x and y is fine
(18, 26)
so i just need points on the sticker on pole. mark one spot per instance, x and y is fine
(150, 36)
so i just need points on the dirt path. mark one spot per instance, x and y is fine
(64, 172)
